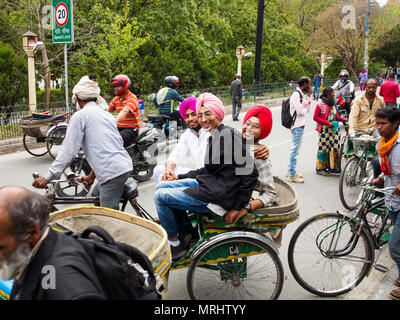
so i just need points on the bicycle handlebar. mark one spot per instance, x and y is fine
(385, 191)
(72, 179)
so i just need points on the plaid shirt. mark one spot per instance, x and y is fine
(393, 202)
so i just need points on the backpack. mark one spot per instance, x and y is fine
(124, 272)
(286, 118)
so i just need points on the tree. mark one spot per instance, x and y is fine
(334, 36)
(19, 16)
(13, 75)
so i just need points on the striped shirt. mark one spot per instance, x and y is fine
(129, 100)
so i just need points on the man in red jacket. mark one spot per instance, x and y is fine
(390, 91)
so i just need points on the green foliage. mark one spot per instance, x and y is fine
(13, 75)
(192, 39)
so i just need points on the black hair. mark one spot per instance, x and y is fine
(303, 80)
(371, 79)
(92, 76)
(327, 91)
(390, 113)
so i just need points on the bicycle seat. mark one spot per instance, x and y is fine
(159, 118)
(142, 133)
(130, 191)
(365, 138)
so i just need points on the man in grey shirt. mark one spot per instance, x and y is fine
(95, 131)
(236, 94)
(387, 122)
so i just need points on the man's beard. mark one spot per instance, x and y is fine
(15, 262)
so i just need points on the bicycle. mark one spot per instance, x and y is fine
(48, 130)
(130, 194)
(330, 254)
(359, 166)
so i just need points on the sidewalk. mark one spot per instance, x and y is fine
(377, 285)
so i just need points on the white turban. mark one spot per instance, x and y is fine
(85, 89)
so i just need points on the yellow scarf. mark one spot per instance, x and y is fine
(384, 149)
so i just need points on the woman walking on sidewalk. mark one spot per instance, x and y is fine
(329, 134)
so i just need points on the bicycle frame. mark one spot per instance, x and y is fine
(367, 205)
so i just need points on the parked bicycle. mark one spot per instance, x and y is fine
(359, 167)
(48, 130)
(330, 254)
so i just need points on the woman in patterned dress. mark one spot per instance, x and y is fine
(327, 120)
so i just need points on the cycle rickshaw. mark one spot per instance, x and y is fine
(240, 261)
(228, 261)
(48, 130)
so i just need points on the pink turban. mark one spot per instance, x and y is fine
(189, 103)
(211, 102)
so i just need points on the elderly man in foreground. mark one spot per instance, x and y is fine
(45, 264)
(95, 131)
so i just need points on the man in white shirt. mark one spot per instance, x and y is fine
(193, 141)
(345, 87)
(300, 102)
(95, 131)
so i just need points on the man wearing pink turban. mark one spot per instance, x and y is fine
(227, 178)
(193, 141)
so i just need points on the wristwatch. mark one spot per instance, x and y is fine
(248, 207)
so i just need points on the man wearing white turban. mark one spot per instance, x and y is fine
(95, 131)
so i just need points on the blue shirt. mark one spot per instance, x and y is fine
(95, 131)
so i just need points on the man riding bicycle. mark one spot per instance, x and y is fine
(345, 87)
(94, 130)
(167, 98)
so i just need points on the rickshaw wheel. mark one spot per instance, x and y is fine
(55, 138)
(39, 149)
(236, 269)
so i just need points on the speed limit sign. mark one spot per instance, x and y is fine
(61, 14)
(63, 25)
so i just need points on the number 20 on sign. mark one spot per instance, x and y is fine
(62, 21)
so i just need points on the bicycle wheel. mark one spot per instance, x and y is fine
(36, 148)
(79, 166)
(55, 138)
(238, 268)
(351, 177)
(313, 255)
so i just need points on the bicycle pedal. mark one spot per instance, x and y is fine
(381, 268)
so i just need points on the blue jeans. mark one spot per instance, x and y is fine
(297, 138)
(170, 200)
(394, 242)
(315, 89)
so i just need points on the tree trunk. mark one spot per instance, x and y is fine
(45, 62)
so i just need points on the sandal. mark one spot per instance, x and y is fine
(397, 282)
(395, 294)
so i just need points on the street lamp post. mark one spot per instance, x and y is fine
(240, 51)
(366, 38)
(324, 57)
(30, 43)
